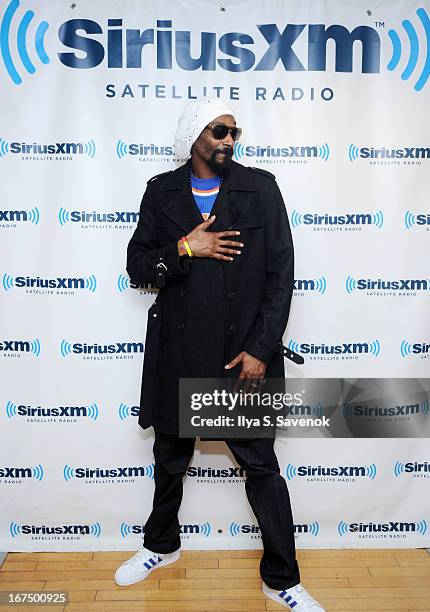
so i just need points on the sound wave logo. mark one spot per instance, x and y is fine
(4, 146)
(38, 472)
(296, 218)
(90, 148)
(371, 471)
(91, 283)
(8, 282)
(123, 283)
(406, 348)
(290, 471)
(414, 50)
(235, 529)
(95, 530)
(22, 46)
(378, 218)
(14, 529)
(350, 284)
(324, 152)
(121, 149)
(353, 152)
(238, 150)
(399, 468)
(205, 529)
(342, 528)
(11, 409)
(313, 528)
(93, 412)
(65, 348)
(33, 215)
(68, 473)
(63, 216)
(374, 348)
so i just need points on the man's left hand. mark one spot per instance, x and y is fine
(252, 372)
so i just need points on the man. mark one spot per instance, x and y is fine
(225, 283)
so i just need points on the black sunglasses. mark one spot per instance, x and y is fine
(220, 131)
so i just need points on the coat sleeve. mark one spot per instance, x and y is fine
(272, 318)
(144, 251)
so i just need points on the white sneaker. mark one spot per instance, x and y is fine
(295, 598)
(142, 564)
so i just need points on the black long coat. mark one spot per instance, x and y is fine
(209, 310)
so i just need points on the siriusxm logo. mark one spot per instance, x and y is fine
(88, 351)
(92, 218)
(125, 411)
(286, 153)
(148, 152)
(417, 348)
(382, 287)
(59, 530)
(19, 216)
(19, 473)
(346, 350)
(13, 348)
(416, 468)
(347, 221)
(62, 413)
(173, 48)
(116, 474)
(166, 48)
(186, 529)
(58, 150)
(386, 528)
(376, 412)
(123, 283)
(215, 473)
(385, 153)
(411, 219)
(315, 472)
(37, 282)
(238, 529)
(317, 285)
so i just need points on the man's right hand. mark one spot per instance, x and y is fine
(211, 244)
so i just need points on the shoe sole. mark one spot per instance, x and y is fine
(275, 597)
(147, 572)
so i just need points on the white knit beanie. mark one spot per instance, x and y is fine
(195, 117)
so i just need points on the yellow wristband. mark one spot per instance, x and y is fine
(187, 246)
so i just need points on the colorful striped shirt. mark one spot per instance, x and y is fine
(205, 191)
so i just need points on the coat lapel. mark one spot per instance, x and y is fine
(228, 207)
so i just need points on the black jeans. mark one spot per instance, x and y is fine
(267, 494)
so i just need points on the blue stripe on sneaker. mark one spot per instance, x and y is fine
(282, 594)
(294, 603)
(147, 565)
(153, 561)
(288, 598)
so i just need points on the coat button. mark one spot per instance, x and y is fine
(231, 294)
(181, 325)
(232, 328)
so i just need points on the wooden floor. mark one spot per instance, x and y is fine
(205, 581)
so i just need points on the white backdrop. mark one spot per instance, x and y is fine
(68, 403)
